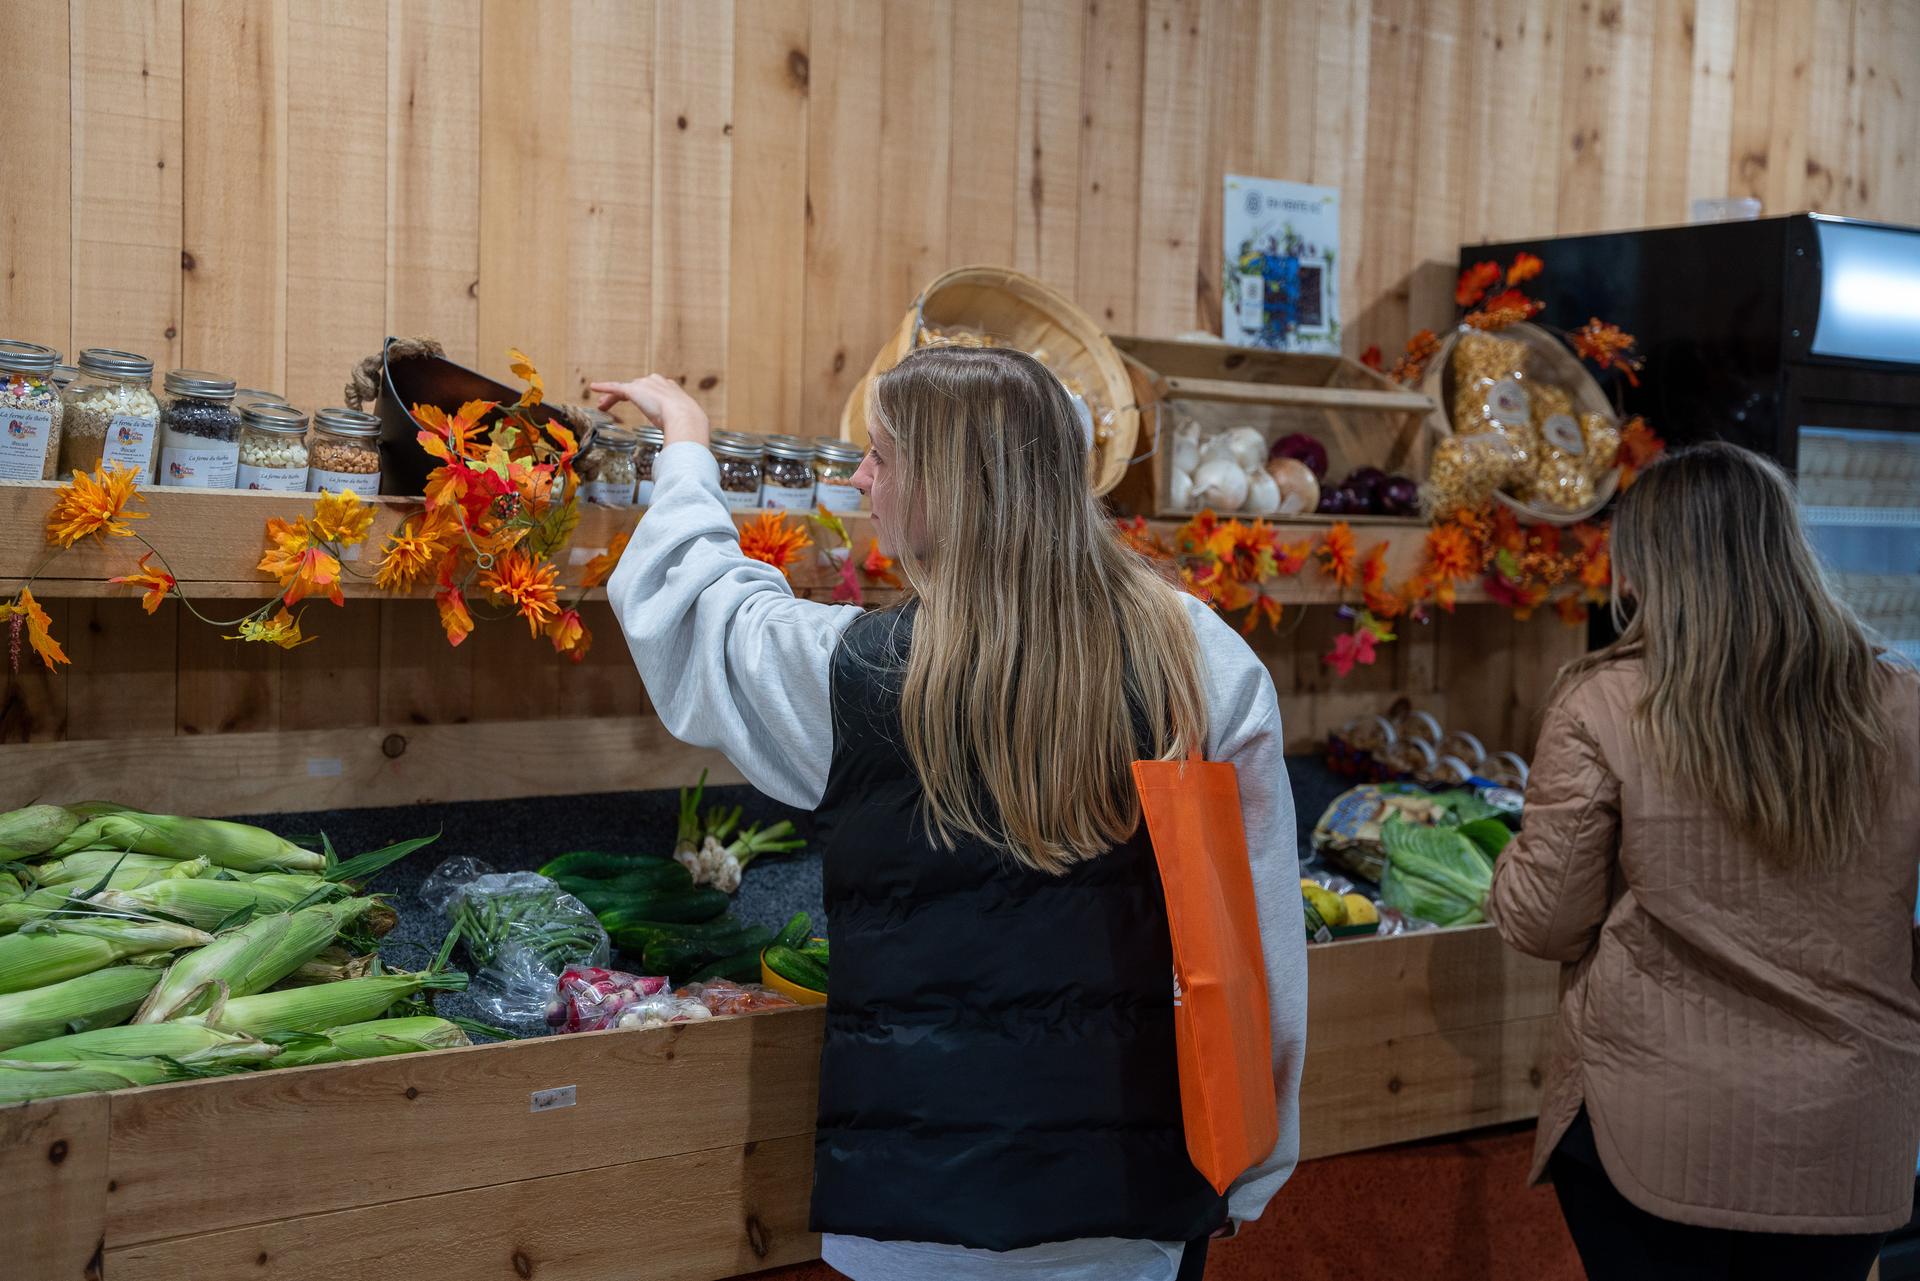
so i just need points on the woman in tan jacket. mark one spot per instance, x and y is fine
(1720, 846)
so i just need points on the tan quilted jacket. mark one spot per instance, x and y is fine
(1746, 1041)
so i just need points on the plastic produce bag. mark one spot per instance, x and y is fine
(521, 932)
(723, 996)
(589, 998)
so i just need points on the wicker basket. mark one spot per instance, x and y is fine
(1547, 361)
(1017, 311)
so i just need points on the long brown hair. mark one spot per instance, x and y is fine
(1763, 690)
(1039, 636)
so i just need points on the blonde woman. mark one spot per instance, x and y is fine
(1720, 844)
(998, 1094)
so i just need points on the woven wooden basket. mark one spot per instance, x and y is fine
(1013, 310)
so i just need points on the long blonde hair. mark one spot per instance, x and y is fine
(1763, 691)
(1043, 648)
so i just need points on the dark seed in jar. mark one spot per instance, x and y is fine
(738, 476)
(790, 473)
(212, 419)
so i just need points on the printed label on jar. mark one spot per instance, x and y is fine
(643, 493)
(837, 498)
(1507, 404)
(783, 499)
(207, 467)
(741, 501)
(24, 436)
(279, 480)
(130, 443)
(1563, 433)
(606, 493)
(364, 483)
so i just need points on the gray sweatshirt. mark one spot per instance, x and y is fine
(733, 660)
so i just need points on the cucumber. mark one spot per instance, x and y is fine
(816, 950)
(797, 968)
(593, 863)
(677, 958)
(740, 967)
(663, 875)
(663, 906)
(639, 931)
(795, 932)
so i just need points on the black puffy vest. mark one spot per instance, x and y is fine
(999, 1063)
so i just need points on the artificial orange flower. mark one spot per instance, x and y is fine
(454, 618)
(1608, 347)
(1380, 599)
(601, 567)
(452, 437)
(1138, 535)
(25, 612)
(340, 518)
(412, 550)
(1337, 552)
(1638, 447)
(283, 629)
(302, 569)
(1412, 366)
(158, 582)
(1372, 358)
(1265, 607)
(773, 540)
(1525, 267)
(93, 505)
(1509, 308)
(877, 567)
(527, 584)
(1244, 553)
(1291, 558)
(523, 369)
(1474, 283)
(1451, 555)
(569, 635)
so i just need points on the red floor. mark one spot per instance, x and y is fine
(1449, 1210)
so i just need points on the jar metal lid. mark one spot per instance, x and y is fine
(612, 435)
(840, 451)
(789, 447)
(346, 422)
(265, 415)
(246, 394)
(648, 434)
(27, 357)
(736, 445)
(115, 364)
(199, 383)
(64, 374)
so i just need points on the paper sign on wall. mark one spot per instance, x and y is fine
(1280, 281)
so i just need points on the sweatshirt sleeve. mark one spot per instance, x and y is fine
(1244, 730)
(730, 657)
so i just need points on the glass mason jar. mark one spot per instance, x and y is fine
(651, 440)
(786, 480)
(606, 467)
(740, 469)
(199, 430)
(63, 375)
(244, 396)
(112, 418)
(273, 448)
(834, 462)
(343, 452)
(30, 411)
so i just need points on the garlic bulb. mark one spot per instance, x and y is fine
(1188, 430)
(1263, 495)
(1181, 489)
(1218, 447)
(1186, 455)
(1248, 447)
(1220, 484)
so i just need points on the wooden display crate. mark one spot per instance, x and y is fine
(1363, 418)
(684, 1154)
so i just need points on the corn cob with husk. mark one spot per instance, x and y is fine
(186, 1042)
(31, 832)
(332, 966)
(50, 951)
(10, 887)
(23, 1082)
(372, 1040)
(99, 999)
(204, 902)
(247, 960)
(235, 845)
(128, 871)
(324, 1005)
(68, 895)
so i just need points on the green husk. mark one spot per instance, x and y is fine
(205, 902)
(128, 871)
(363, 867)
(236, 845)
(332, 966)
(31, 832)
(23, 1082)
(249, 959)
(373, 1039)
(51, 951)
(184, 1041)
(324, 1005)
(99, 999)
(10, 887)
(1434, 873)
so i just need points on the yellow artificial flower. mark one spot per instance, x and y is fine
(283, 629)
(340, 518)
(527, 584)
(93, 505)
(412, 550)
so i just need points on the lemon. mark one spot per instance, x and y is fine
(1360, 910)
(1332, 909)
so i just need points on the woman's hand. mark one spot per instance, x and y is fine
(664, 402)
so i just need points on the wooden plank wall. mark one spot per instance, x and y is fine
(748, 193)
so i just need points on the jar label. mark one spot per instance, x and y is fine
(200, 466)
(1563, 433)
(364, 483)
(837, 498)
(279, 480)
(25, 435)
(643, 494)
(739, 501)
(607, 493)
(781, 498)
(130, 444)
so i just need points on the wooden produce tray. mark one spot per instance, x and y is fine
(685, 1154)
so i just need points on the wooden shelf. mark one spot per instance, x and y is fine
(213, 539)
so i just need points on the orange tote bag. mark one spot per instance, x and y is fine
(1223, 1035)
